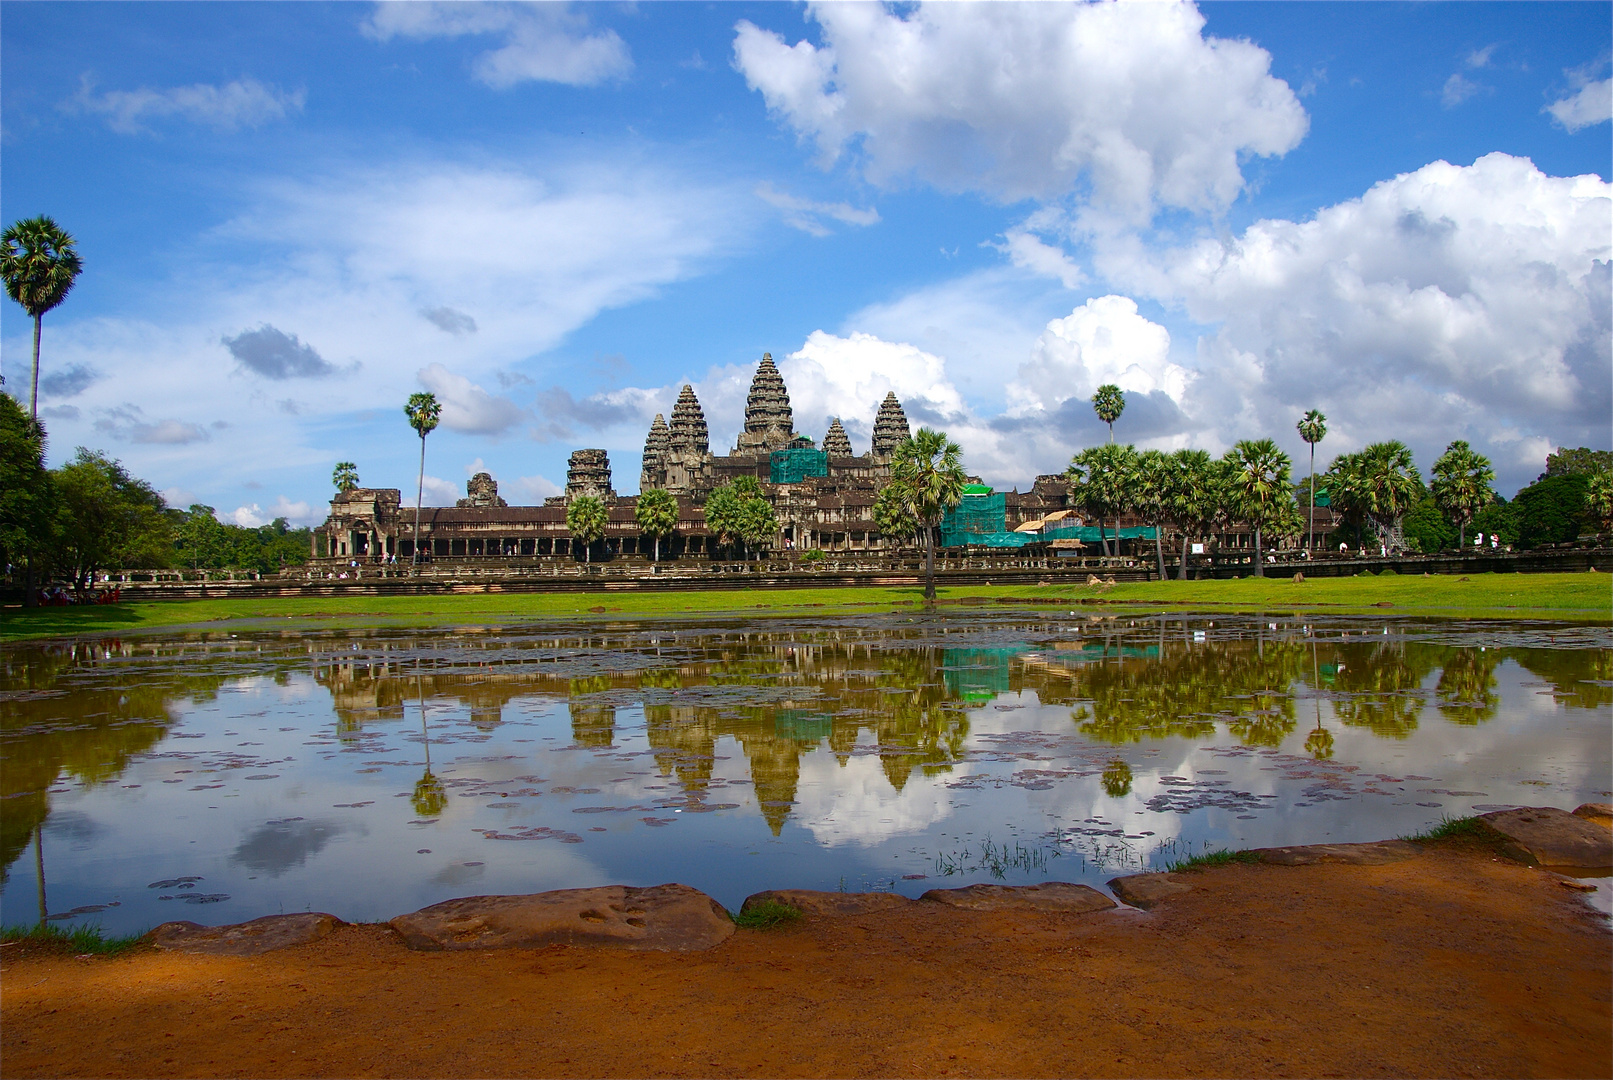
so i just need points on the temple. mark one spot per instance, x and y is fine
(822, 494)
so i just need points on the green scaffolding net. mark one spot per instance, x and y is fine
(794, 466)
(977, 519)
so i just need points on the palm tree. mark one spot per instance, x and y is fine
(423, 412)
(1599, 499)
(1461, 486)
(656, 516)
(893, 514)
(1109, 402)
(1260, 481)
(1197, 498)
(1101, 479)
(1313, 429)
(929, 468)
(345, 476)
(39, 262)
(1378, 485)
(586, 519)
(1156, 484)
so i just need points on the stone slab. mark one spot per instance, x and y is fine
(663, 918)
(1051, 896)
(1548, 836)
(1146, 890)
(1373, 854)
(1598, 813)
(244, 939)
(829, 904)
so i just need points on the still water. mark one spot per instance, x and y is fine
(223, 776)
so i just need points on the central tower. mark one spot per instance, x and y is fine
(769, 423)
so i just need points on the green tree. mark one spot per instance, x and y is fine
(1551, 511)
(201, 540)
(1156, 488)
(39, 262)
(656, 516)
(1197, 498)
(345, 476)
(758, 525)
(1426, 526)
(26, 518)
(895, 515)
(106, 519)
(586, 519)
(1599, 500)
(929, 468)
(1376, 487)
(1462, 485)
(1101, 480)
(1313, 429)
(1261, 488)
(1109, 402)
(1566, 462)
(424, 412)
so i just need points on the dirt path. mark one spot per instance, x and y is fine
(1450, 964)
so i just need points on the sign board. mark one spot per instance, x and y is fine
(1198, 549)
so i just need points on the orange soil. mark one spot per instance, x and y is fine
(1451, 964)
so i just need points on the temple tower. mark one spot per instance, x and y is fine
(688, 444)
(656, 445)
(481, 490)
(588, 473)
(836, 444)
(890, 426)
(769, 423)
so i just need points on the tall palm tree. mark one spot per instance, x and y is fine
(1156, 486)
(423, 411)
(1102, 479)
(1313, 429)
(1109, 402)
(39, 261)
(1376, 486)
(1260, 480)
(929, 468)
(1461, 487)
(345, 476)
(1198, 497)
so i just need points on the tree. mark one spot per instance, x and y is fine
(1550, 511)
(1198, 497)
(1461, 486)
(894, 514)
(1261, 488)
(1377, 486)
(656, 516)
(1155, 487)
(1566, 462)
(1101, 480)
(758, 525)
(423, 412)
(1109, 402)
(1313, 429)
(345, 476)
(106, 518)
(1599, 500)
(586, 519)
(929, 467)
(25, 492)
(39, 262)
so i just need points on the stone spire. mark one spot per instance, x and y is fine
(835, 444)
(688, 432)
(588, 473)
(655, 453)
(769, 424)
(890, 426)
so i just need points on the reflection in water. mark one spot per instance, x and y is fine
(911, 694)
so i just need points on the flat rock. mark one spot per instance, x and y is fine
(828, 904)
(1547, 836)
(1373, 854)
(1050, 896)
(665, 918)
(1146, 890)
(1599, 813)
(244, 939)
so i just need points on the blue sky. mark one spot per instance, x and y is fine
(292, 216)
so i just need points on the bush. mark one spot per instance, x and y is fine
(1551, 511)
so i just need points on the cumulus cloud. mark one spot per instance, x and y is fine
(541, 42)
(440, 492)
(466, 407)
(449, 320)
(275, 354)
(533, 489)
(806, 215)
(128, 423)
(1591, 104)
(68, 382)
(244, 103)
(1128, 104)
(297, 514)
(849, 376)
(1103, 341)
(562, 414)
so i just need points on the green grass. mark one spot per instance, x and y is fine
(766, 915)
(1450, 828)
(1585, 597)
(79, 940)
(1213, 858)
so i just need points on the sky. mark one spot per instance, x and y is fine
(293, 216)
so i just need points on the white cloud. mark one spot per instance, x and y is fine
(534, 489)
(466, 407)
(1029, 253)
(1128, 103)
(242, 103)
(1480, 58)
(806, 215)
(1102, 341)
(128, 423)
(438, 492)
(542, 42)
(1592, 104)
(849, 376)
(1457, 89)
(297, 514)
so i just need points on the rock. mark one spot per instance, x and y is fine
(244, 939)
(1547, 836)
(1051, 896)
(1146, 890)
(828, 904)
(666, 918)
(1374, 854)
(1299, 579)
(1599, 813)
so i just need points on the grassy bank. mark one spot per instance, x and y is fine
(1511, 596)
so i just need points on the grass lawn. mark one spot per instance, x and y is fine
(1580, 597)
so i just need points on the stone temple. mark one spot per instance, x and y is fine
(822, 493)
